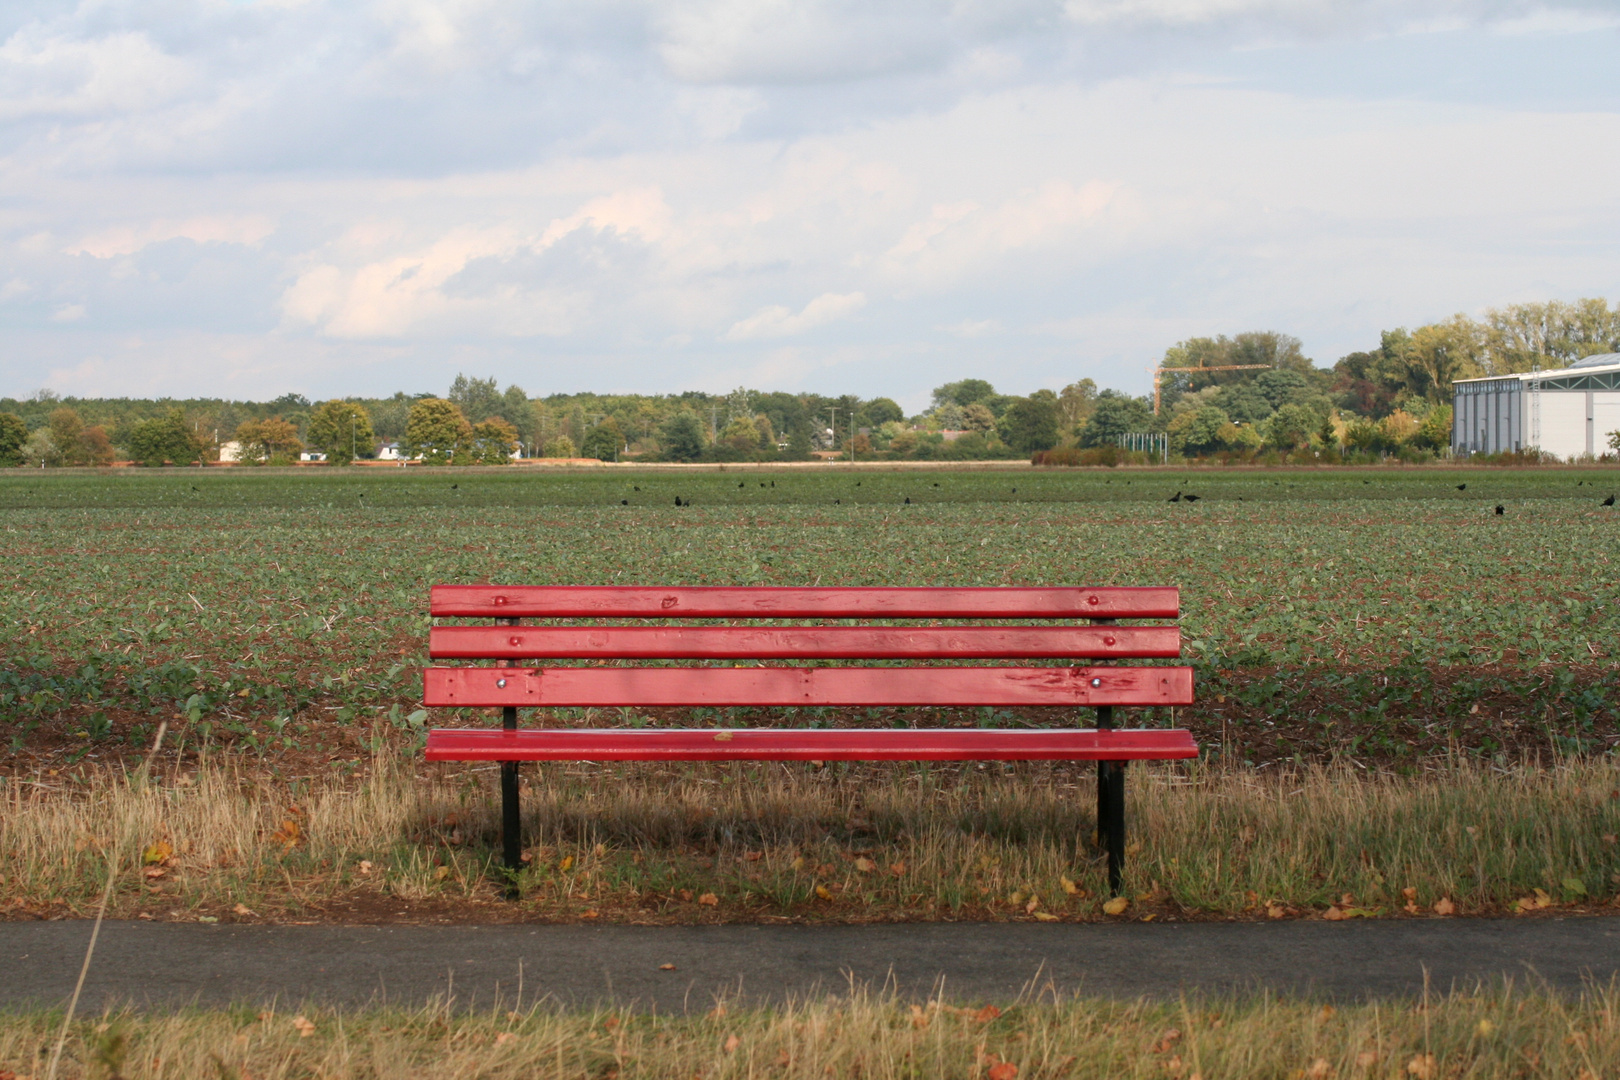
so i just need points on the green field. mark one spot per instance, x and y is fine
(1379, 613)
(1453, 670)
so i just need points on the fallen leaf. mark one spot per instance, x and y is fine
(797, 863)
(304, 1026)
(1034, 902)
(365, 866)
(1326, 1012)
(708, 899)
(505, 1037)
(599, 850)
(865, 865)
(1116, 906)
(1334, 914)
(897, 869)
(242, 909)
(783, 1059)
(1002, 1070)
(1409, 892)
(1444, 906)
(1134, 848)
(987, 1014)
(566, 865)
(1045, 916)
(157, 853)
(1366, 1059)
(1166, 1040)
(753, 856)
(823, 892)
(208, 918)
(441, 873)
(1319, 1069)
(1423, 1067)
(1069, 887)
(666, 967)
(290, 835)
(718, 1011)
(732, 1043)
(919, 1019)
(591, 913)
(1484, 1029)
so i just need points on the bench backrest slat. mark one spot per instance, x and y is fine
(802, 642)
(727, 602)
(605, 687)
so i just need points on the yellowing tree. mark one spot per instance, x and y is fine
(273, 440)
(491, 442)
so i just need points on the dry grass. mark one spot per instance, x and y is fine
(1501, 1033)
(655, 843)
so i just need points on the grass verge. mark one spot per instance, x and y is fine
(648, 843)
(1505, 1033)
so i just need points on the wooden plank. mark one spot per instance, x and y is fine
(781, 686)
(801, 642)
(725, 602)
(777, 744)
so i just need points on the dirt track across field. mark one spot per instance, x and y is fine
(165, 964)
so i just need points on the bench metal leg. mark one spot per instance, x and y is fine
(1111, 806)
(1111, 818)
(511, 814)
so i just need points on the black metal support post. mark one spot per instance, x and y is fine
(1111, 806)
(511, 808)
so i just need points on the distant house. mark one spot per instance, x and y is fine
(312, 455)
(230, 451)
(390, 451)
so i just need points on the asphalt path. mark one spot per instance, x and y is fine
(147, 964)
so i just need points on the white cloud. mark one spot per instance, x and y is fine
(46, 74)
(777, 321)
(118, 240)
(68, 313)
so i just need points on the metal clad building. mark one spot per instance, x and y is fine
(1568, 412)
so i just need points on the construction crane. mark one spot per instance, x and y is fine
(1157, 372)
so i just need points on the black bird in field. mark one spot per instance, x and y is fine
(624, 502)
(1462, 487)
(741, 484)
(1015, 491)
(762, 483)
(1607, 502)
(677, 500)
(1194, 498)
(193, 487)
(1366, 481)
(1500, 510)
(635, 489)
(908, 500)
(838, 502)
(773, 483)
(857, 483)
(1176, 497)
(454, 486)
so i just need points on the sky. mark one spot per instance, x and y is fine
(246, 198)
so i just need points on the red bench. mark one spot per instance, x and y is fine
(1068, 623)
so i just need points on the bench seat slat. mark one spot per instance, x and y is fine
(777, 744)
(801, 642)
(783, 686)
(724, 602)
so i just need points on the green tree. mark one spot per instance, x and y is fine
(163, 439)
(40, 450)
(492, 442)
(436, 430)
(13, 433)
(67, 433)
(880, 411)
(963, 393)
(1031, 423)
(742, 434)
(1115, 414)
(341, 430)
(1075, 404)
(559, 446)
(681, 437)
(799, 441)
(1434, 431)
(1196, 431)
(1439, 354)
(1290, 427)
(604, 441)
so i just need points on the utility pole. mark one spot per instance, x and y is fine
(832, 411)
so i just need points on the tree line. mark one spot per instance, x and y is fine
(1279, 405)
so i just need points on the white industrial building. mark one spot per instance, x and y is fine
(1568, 412)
